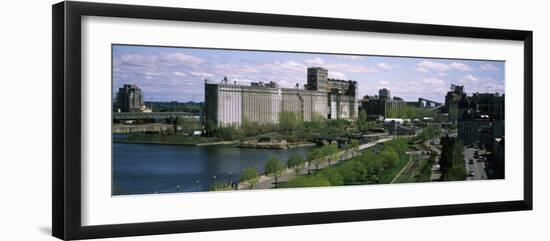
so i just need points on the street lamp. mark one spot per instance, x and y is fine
(215, 185)
(197, 182)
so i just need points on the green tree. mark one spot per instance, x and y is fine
(452, 159)
(288, 121)
(389, 158)
(250, 175)
(317, 122)
(350, 148)
(362, 122)
(333, 176)
(274, 167)
(330, 151)
(315, 158)
(297, 162)
(456, 173)
(354, 172)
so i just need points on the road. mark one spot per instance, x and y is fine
(478, 165)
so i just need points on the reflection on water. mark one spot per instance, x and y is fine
(149, 168)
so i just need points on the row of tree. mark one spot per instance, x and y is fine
(410, 112)
(451, 162)
(290, 127)
(373, 166)
(274, 167)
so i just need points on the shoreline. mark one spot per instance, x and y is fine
(176, 143)
(288, 146)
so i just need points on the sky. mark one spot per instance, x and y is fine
(177, 74)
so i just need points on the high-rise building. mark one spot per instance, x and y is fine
(384, 94)
(130, 99)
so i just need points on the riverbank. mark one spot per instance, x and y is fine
(204, 141)
(275, 145)
(171, 140)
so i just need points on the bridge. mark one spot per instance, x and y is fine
(428, 104)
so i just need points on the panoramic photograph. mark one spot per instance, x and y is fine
(202, 119)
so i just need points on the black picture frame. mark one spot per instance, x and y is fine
(66, 122)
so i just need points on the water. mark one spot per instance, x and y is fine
(149, 168)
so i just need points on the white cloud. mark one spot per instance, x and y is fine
(384, 82)
(352, 57)
(425, 66)
(277, 67)
(442, 74)
(421, 69)
(488, 67)
(201, 74)
(183, 58)
(434, 81)
(178, 73)
(469, 78)
(337, 75)
(316, 61)
(428, 65)
(461, 66)
(342, 67)
(385, 66)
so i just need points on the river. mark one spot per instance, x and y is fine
(151, 168)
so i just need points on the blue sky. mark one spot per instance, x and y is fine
(167, 74)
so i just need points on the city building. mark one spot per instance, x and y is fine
(495, 167)
(130, 99)
(383, 105)
(229, 104)
(481, 119)
(384, 94)
(452, 101)
(471, 128)
(491, 104)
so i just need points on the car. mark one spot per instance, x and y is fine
(471, 161)
(471, 174)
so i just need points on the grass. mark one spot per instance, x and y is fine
(390, 174)
(414, 173)
(354, 171)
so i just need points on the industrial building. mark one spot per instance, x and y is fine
(230, 104)
(382, 105)
(452, 100)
